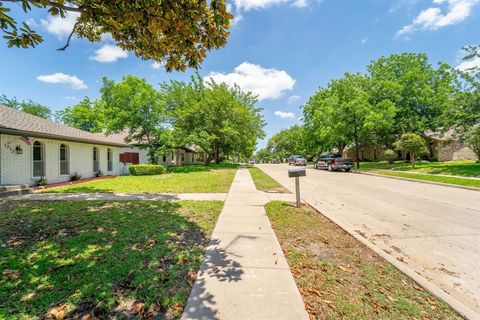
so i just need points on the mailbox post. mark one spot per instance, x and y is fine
(297, 173)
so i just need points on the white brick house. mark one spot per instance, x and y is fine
(32, 147)
(132, 154)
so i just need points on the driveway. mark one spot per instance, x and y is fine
(434, 230)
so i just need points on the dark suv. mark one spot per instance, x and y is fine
(297, 160)
(333, 162)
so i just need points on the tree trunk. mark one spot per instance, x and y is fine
(208, 159)
(413, 158)
(357, 155)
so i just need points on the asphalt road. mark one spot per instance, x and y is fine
(434, 230)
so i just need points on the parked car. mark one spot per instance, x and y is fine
(333, 162)
(297, 160)
(251, 161)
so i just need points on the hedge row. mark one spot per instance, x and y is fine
(146, 169)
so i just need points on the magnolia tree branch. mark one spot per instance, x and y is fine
(53, 4)
(69, 38)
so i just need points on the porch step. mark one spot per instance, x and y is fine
(14, 190)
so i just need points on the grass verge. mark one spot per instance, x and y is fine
(339, 278)
(431, 177)
(264, 182)
(185, 179)
(94, 259)
(455, 168)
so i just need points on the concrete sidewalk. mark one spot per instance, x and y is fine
(244, 274)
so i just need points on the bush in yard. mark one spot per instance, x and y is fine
(413, 143)
(389, 156)
(42, 181)
(146, 169)
(76, 176)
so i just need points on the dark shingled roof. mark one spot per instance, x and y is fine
(24, 124)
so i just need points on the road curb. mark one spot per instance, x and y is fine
(420, 181)
(462, 309)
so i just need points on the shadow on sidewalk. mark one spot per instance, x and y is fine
(201, 303)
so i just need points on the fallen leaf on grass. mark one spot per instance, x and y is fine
(138, 307)
(58, 312)
(417, 287)
(431, 301)
(315, 291)
(183, 261)
(310, 309)
(11, 274)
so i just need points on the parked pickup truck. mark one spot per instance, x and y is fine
(333, 162)
(297, 160)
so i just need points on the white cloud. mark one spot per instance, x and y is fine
(70, 98)
(285, 115)
(293, 99)
(247, 5)
(264, 82)
(109, 53)
(434, 18)
(300, 3)
(156, 65)
(58, 26)
(59, 77)
(470, 65)
(364, 40)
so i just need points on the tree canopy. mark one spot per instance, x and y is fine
(134, 106)
(401, 93)
(287, 142)
(86, 115)
(221, 120)
(27, 106)
(175, 32)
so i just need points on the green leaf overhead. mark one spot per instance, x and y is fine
(177, 33)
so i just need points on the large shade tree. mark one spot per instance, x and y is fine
(419, 91)
(134, 106)
(175, 32)
(222, 120)
(342, 114)
(287, 142)
(86, 115)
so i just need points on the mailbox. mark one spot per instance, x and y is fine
(292, 173)
(297, 173)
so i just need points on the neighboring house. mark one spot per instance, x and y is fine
(132, 154)
(442, 148)
(33, 147)
(448, 148)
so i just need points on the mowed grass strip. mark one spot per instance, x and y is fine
(339, 278)
(264, 182)
(185, 179)
(103, 260)
(455, 168)
(434, 178)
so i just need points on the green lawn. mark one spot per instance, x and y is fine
(185, 179)
(92, 259)
(431, 177)
(456, 168)
(339, 278)
(264, 182)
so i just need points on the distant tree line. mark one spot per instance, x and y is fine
(221, 120)
(398, 95)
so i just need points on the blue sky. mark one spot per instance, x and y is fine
(283, 50)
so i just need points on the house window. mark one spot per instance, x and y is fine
(109, 160)
(38, 159)
(173, 157)
(164, 158)
(96, 163)
(64, 159)
(183, 157)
